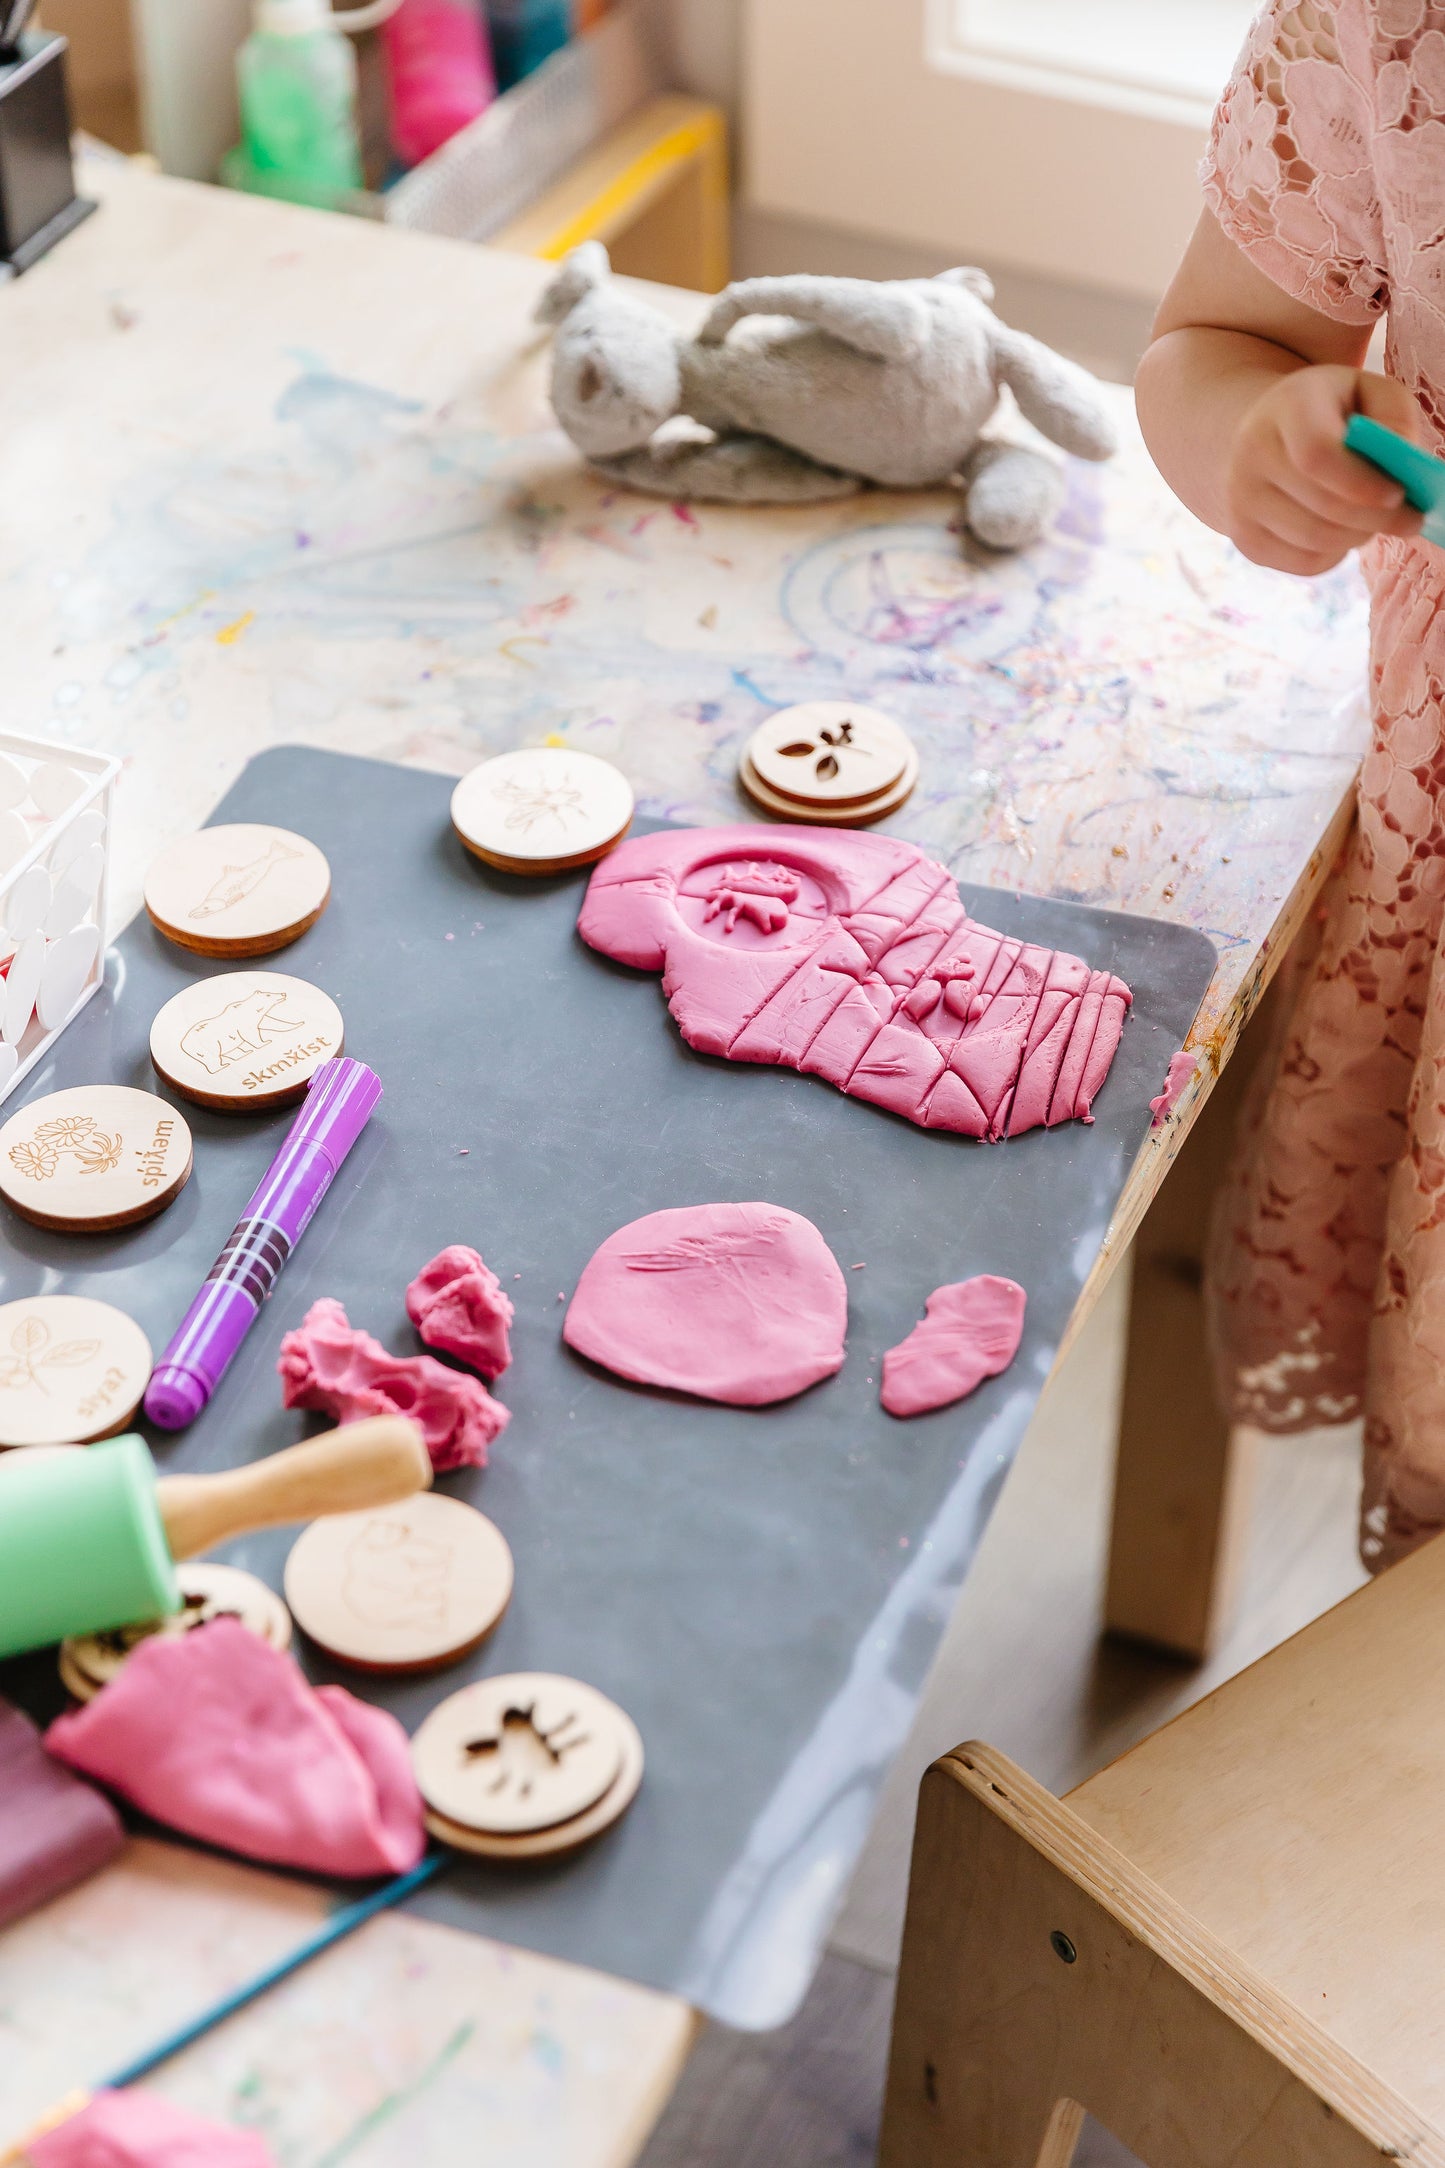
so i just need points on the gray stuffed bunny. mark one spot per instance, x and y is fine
(838, 384)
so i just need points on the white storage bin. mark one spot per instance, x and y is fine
(55, 814)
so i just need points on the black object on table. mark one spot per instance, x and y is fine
(38, 203)
(763, 1590)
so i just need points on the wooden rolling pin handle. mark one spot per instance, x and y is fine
(363, 1464)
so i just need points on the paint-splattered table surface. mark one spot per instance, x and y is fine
(271, 477)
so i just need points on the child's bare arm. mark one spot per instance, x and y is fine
(1243, 398)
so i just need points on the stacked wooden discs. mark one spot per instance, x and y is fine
(71, 1370)
(247, 1040)
(406, 1588)
(829, 764)
(241, 890)
(94, 1158)
(526, 1767)
(544, 809)
(91, 1661)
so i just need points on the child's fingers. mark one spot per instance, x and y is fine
(1263, 547)
(1302, 529)
(1312, 433)
(1387, 401)
(1360, 520)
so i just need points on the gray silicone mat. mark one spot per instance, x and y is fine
(763, 1590)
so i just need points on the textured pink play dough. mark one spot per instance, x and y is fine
(456, 1303)
(218, 1734)
(140, 2130)
(970, 1332)
(736, 1302)
(326, 1364)
(851, 957)
(1181, 1068)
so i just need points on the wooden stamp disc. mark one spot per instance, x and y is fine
(208, 1591)
(71, 1370)
(855, 816)
(567, 1836)
(96, 1157)
(247, 1039)
(240, 890)
(516, 1754)
(407, 1587)
(829, 754)
(544, 809)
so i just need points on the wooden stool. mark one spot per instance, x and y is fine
(1227, 1946)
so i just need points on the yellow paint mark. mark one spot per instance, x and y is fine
(521, 639)
(554, 737)
(230, 634)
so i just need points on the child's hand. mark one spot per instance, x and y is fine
(1297, 500)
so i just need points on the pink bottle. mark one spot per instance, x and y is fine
(439, 69)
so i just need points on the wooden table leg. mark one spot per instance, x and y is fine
(1182, 1483)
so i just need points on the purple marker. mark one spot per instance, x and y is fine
(337, 1108)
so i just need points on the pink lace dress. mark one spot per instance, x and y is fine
(1327, 1274)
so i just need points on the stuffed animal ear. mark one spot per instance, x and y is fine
(971, 279)
(585, 269)
(1057, 396)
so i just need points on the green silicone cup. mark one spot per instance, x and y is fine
(82, 1547)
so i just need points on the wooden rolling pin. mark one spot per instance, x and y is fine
(89, 1539)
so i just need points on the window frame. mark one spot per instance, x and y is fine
(1094, 52)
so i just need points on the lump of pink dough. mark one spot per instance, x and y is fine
(140, 2130)
(218, 1734)
(456, 1303)
(1181, 1068)
(737, 1302)
(326, 1364)
(852, 958)
(54, 1830)
(970, 1332)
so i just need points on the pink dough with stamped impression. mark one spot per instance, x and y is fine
(851, 957)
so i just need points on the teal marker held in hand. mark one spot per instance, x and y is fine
(1420, 474)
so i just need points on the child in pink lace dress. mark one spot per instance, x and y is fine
(1325, 182)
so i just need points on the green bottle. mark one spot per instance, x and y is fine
(296, 75)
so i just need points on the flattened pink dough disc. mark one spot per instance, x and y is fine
(851, 957)
(218, 1734)
(456, 1303)
(971, 1331)
(140, 2130)
(737, 1302)
(328, 1365)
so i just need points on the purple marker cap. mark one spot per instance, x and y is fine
(336, 1109)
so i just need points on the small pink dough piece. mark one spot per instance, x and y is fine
(55, 1830)
(140, 2130)
(1181, 1068)
(737, 1302)
(218, 1734)
(971, 1332)
(456, 1303)
(326, 1364)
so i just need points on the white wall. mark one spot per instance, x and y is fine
(845, 123)
(707, 49)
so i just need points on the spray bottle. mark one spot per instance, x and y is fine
(439, 73)
(296, 75)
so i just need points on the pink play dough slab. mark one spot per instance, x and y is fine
(54, 1829)
(218, 1734)
(456, 1303)
(140, 2130)
(737, 1302)
(851, 957)
(327, 1364)
(971, 1331)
